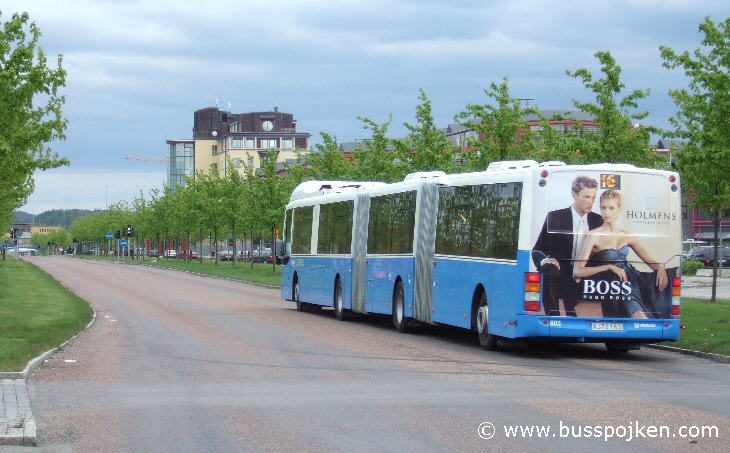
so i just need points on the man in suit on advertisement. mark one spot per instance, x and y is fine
(559, 244)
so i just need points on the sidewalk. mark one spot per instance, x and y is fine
(17, 426)
(701, 286)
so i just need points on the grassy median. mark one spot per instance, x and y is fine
(36, 314)
(708, 326)
(261, 272)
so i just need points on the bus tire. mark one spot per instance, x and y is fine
(487, 340)
(400, 322)
(339, 310)
(301, 306)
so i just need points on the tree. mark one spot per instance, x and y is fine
(31, 112)
(328, 163)
(502, 132)
(375, 159)
(426, 147)
(553, 144)
(272, 192)
(234, 202)
(704, 121)
(211, 203)
(618, 138)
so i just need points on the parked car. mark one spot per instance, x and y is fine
(171, 253)
(188, 254)
(153, 253)
(706, 255)
(225, 255)
(262, 256)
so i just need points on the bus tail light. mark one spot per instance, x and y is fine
(676, 292)
(532, 291)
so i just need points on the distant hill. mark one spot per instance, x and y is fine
(63, 217)
(22, 217)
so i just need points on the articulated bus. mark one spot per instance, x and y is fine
(587, 253)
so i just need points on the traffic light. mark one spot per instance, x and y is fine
(118, 235)
(129, 231)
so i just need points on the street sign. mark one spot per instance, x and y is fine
(110, 235)
(123, 243)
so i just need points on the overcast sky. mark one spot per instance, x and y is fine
(138, 69)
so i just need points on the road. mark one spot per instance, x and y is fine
(177, 362)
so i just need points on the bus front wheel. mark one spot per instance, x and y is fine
(486, 340)
(339, 310)
(399, 310)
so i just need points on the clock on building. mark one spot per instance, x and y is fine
(267, 125)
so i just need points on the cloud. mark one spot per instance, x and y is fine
(88, 189)
(137, 70)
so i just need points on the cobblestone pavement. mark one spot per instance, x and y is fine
(17, 426)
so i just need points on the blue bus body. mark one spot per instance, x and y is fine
(446, 281)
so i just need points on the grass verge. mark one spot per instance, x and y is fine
(261, 272)
(36, 314)
(708, 326)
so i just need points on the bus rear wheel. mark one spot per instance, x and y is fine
(487, 340)
(399, 310)
(301, 306)
(339, 310)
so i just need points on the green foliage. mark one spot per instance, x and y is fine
(31, 112)
(502, 132)
(619, 139)
(691, 267)
(327, 162)
(704, 120)
(704, 116)
(426, 147)
(375, 159)
(58, 237)
(552, 144)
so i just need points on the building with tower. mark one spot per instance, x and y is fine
(242, 140)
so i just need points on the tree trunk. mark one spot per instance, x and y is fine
(273, 249)
(215, 242)
(251, 249)
(200, 235)
(233, 235)
(717, 260)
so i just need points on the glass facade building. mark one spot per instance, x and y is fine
(181, 161)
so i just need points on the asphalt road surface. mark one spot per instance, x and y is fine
(177, 362)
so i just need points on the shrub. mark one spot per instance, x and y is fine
(690, 267)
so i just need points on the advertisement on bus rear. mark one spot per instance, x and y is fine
(607, 244)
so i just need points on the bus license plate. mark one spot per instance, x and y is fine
(607, 326)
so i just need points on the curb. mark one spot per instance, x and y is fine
(719, 358)
(264, 285)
